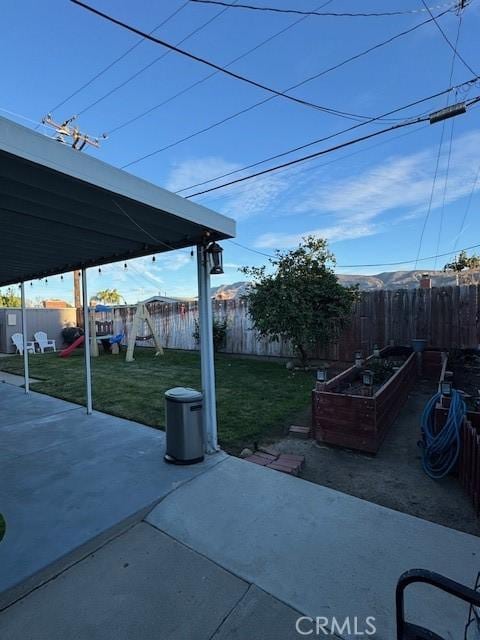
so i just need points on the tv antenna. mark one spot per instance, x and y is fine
(66, 133)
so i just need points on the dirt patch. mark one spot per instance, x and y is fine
(393, 478)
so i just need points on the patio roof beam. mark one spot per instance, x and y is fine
(84, 211)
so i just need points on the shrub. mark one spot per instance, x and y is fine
(219, 333)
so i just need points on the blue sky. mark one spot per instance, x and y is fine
(370, 200)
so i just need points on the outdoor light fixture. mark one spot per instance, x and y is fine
(446, 388)
(367, 378)
(322, 374)
(215, 258)
(358, 358)
(376, 351)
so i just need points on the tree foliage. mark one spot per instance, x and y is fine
(10, 298)
(302, 300)
(109, 296)
(463, 261)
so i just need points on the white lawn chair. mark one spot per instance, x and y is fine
(43, 342)
(17, 340)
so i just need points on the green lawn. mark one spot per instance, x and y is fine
(255, 398)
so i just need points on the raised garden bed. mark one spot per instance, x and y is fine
(348, 414)
(462, 369)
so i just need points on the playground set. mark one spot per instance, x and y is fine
(111, 342)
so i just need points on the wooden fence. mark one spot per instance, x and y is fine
(447, 317)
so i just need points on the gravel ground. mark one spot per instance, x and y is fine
(394, 477)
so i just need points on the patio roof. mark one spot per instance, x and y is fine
(63, 210)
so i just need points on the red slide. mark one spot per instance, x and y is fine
(66, 352)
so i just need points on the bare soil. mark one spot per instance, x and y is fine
(393, 478)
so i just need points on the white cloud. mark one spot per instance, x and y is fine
(239, 202)
(398, 183)
(333, 233)
(189, 172)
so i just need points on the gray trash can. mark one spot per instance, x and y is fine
(183, 423)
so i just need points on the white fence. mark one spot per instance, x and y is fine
(175, 324)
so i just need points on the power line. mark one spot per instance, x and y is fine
(375, 264)
(22, 117)
(295, 86)
(212, 64)
(334, 160)
(437, 163)
(442, 213)
(320, 13)
(308, 157)
(182, 92)
(118, 59)
(445, 37)
(325, 138)
(322, 152)
(467, 209)
(150, 64)
(204, 61)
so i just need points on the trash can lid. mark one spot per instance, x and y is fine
(183, 394)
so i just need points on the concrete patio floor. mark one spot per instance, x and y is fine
(230, 551)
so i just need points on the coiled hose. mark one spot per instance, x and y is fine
(441, 450)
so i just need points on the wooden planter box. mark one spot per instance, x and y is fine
(360, 422)
(468, 466)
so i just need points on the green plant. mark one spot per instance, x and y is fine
(463, 261)
(109, 296)
(9, 299)
(219, 333)
(302, 300)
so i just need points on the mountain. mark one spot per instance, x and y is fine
(385, 280)
(229, 291)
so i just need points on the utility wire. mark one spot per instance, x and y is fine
(357, 266)
(445, 37)
(182, 92)
(118, 59)
(437, 163)
(152, 63)
(22, 117)
(320, 13)
(322, 152)
(265, 100)
(452, 128)
(308, 157)
(315, 166)
(467, 209)
(208, 63)
(329, 137)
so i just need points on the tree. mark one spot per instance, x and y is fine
(10, 299)
(109, 296)
(302, 300)
(463, 261)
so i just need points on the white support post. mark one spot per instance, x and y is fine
(86, 344)
(206, 352)
(25, 339)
